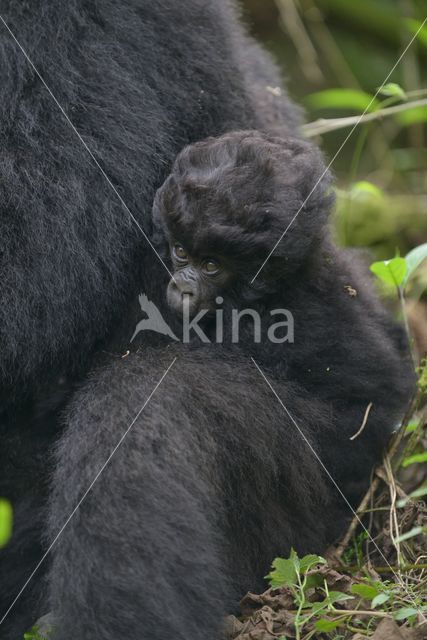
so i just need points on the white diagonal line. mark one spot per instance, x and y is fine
(62, 110)
(338, 152)
(316, 455)
(86, 493)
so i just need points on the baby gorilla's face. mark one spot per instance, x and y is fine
(197, 281)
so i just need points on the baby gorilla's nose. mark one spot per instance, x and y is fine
(182, 290)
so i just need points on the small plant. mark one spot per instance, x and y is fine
(36, 634)
(33, 634)
(358, 605)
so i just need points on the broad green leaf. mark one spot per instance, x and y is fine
(381, 598)
(365, 188)
(342, 99)
(414, 27)
(309, 561)
(390, 271)
(406, 612)
(319, 606)
(315, 580)
(416, 531)
(414, 259)
(365, 591)
(293, 556)
(283, 574)
(326, 625)
(411, 115)
(391, 89)
(417, 457)
(338, 596)
(5, 522)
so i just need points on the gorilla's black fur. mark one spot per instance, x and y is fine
(138, 79)
(211, 482)
(155, 546)
(192, 509)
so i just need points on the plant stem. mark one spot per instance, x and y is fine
(325, 125)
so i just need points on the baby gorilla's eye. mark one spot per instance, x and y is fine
(180, 253)
(211, 266)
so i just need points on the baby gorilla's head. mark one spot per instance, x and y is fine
(226, 204)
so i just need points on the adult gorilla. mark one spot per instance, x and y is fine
(137, 80)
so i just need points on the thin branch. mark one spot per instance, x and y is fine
(325, 125)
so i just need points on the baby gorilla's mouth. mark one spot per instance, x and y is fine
(178, 296)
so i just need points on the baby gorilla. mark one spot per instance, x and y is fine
(225, 205)
(220, 214)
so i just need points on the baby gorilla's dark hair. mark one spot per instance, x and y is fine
(237, 194)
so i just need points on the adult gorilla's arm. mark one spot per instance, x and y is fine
(138, 80)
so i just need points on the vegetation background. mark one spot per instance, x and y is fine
(334, 55)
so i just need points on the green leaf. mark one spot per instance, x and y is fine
(33, 634)
(342, 99)
(390, 271)
(392, 90)
(416, 458)
(411, 115)
(365, 591)
(364, 189)
(309, 561)
(319, 606)
(381, 598)
(414, 27)
(405, 612)
(283, 574)
(326, 625)
(5, 522)
(414, 259)
(338, 596)
(416, 531)
(412, 426)
(312, 581)
(293, 556)
(418, 493)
